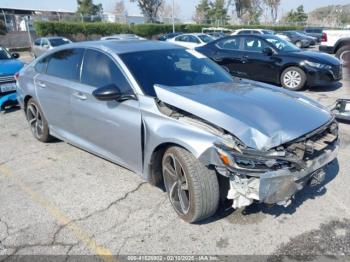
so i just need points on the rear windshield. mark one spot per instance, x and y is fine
(174, 67)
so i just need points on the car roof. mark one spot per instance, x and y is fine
(123, 46)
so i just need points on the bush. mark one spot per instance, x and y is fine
(94, 30)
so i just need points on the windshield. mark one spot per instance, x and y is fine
(175, 67)
(58, 41)
(206, 38)
(282, 45)
(4, 54)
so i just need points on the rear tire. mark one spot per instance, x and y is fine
(37, 121)
(192, 188)
(293, 78)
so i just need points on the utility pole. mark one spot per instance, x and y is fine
(173, 16)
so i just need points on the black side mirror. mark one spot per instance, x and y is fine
(15, 55)
(268, 51)
(110, 92)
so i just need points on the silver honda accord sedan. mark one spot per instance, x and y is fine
(179, 120)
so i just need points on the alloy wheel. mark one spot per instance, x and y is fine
(35, 120)
(292, 79)
(176, 184)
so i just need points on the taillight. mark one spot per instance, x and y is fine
(16, 76)
(324, 37)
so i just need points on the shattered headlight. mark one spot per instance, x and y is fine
(242, 161)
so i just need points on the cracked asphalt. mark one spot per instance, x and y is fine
(59, 200)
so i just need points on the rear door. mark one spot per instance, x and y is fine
(111, 129)
(54, 88)
(230, 55)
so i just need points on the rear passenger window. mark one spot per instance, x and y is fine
(231, 44)
(99, 70)
(65, 64)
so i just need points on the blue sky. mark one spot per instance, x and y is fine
(187, 6)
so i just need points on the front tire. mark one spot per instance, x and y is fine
(293, 78)
(299, 44)
(37, 122)
(192, 188)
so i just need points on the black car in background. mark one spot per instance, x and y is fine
(270, 59)
(313, 40)
(297, 39)
(169, 35)
(315, 32)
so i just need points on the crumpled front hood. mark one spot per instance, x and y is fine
(261, 116)
(10, 66)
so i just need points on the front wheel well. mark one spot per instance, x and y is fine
(26, 99)
(155, 165)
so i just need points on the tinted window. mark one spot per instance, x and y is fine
(182, 38)
(193, 39)
(99, 70)
(231, 43)
(175, 67)
(65, 64)
(44, 42)
(59, 41)
(206, 38)
(37, 42)
(281, 44)
(253, 44)
(40, 66)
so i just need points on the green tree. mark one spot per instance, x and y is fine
(149, 8)
(218, 12)
(88, 8)
(202, 12)
(299, 16)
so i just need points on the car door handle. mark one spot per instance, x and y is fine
(41, 84)
(244, 59)
(80, 96)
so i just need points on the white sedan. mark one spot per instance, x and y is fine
(191, 41)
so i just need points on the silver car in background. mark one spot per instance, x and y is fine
(44, 44)
(173, 116)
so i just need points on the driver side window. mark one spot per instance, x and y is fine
(100, 70)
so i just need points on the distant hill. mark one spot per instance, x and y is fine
(330, 16)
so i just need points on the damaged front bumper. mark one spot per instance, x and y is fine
(278, 186)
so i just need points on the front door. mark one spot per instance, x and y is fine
(110, 129)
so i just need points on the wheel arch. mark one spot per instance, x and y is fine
(153, 167)
(340, 43)
(26, 99)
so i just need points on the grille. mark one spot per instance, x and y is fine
(4, 79)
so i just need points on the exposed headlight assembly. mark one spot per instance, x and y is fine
(317, 65)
